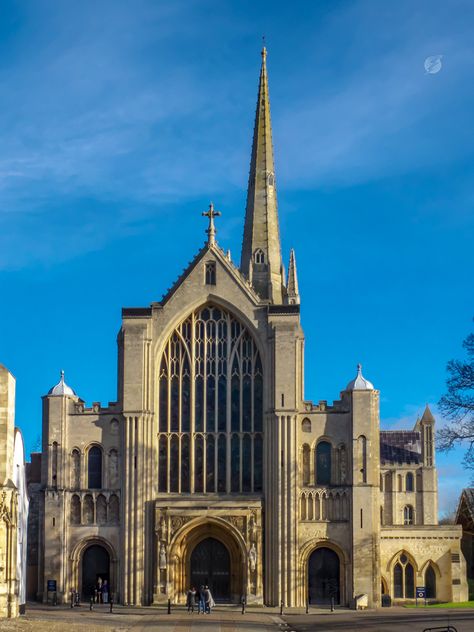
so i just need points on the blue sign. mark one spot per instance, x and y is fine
(51, 585)
(421, 592)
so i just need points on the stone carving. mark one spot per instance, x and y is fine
(162, 558)
(178, 521)
(252, 528)
(238, 522)
(163, 530)
(253, 558)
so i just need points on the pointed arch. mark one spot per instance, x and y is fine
(76, 469)
(75, 509)
(217, 393)
(430, 582)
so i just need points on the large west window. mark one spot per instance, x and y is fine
(210, 407)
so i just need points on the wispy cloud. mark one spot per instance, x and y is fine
(134, 106)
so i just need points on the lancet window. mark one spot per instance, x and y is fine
(210, 407)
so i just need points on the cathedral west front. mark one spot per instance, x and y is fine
(213, 468)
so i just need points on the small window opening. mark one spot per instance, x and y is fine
(210, 273)
(259, 256)
(408, 515)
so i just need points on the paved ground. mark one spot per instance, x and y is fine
(228, 619)
(384, 620)
(63, 619)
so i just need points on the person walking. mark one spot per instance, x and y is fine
(191, 599)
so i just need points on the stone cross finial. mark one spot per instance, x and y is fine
(211, 230)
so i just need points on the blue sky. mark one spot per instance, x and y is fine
(121, 120)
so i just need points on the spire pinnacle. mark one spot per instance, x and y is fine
(211, 229)
(261, 252)
(292, 290)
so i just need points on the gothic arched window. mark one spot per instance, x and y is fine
(404, 578)
(75, 509)
(114, 509)
(430, 582)
(101, 509)
(76, 469)
(323, 463)
(306, 452)
(259, 256)
(94, 468)
(88, 509)
(210, 391)
(409, 483)
(408, 515)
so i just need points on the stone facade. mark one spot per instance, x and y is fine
(13, 503)
(212, 467)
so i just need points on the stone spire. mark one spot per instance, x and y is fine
(292, 290)
(261, 251)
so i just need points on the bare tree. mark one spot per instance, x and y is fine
(457, 405)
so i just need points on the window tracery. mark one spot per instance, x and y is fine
(210, 407)
(259, 256)
(408, 515)
(403, 578)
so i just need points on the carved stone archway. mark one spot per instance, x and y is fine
(185, 542)
(344, 570)
(76, 564)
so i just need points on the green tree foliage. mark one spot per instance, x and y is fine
(457, 405)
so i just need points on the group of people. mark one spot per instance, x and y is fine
(201, 598)
(101, 592)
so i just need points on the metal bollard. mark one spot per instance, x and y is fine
(169, 606)
(307, 607)
(281, 607)
(72, 599)
(91, 604)
(243, 605)
(111, 604)
(332, 604)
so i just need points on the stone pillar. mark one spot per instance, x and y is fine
(135, 379)
(281, 514)
(366, 495)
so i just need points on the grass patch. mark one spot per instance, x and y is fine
(450, 604)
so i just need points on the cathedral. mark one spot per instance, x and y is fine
(213, 468)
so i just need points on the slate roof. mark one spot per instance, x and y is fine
(465, 512)
(400, 446)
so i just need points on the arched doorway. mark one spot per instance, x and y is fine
(323, 576)
(210, 566)
(95, 564)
